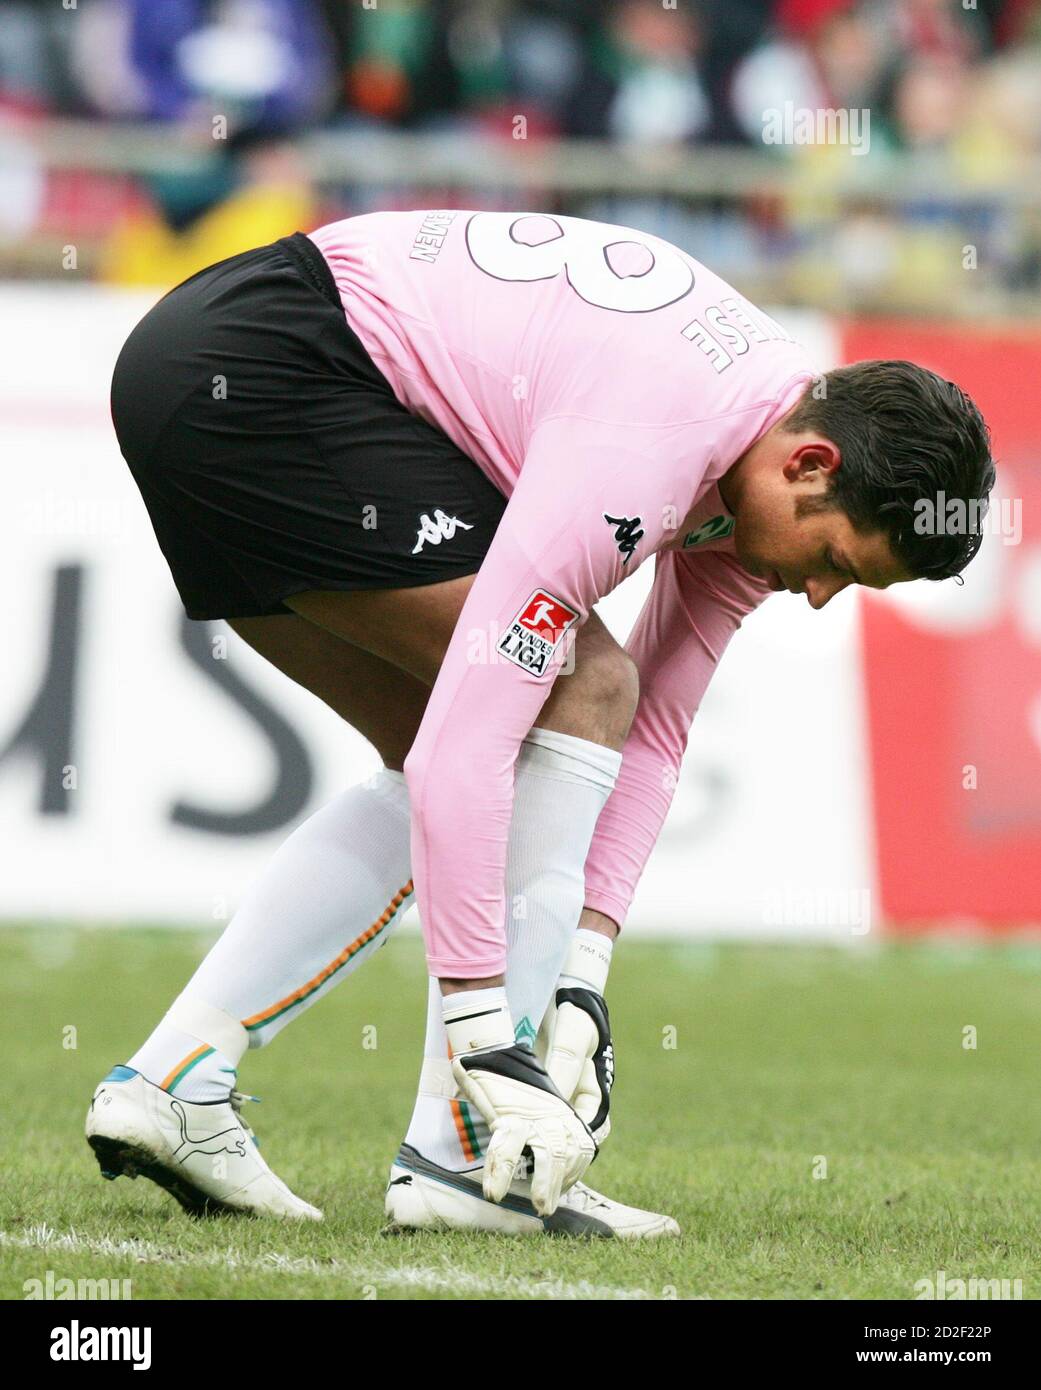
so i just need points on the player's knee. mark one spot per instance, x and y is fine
(622, 687)
(607, 689)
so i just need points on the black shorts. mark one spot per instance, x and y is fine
(273, 456)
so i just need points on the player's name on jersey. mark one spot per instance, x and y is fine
(728, 329)
(430, 238)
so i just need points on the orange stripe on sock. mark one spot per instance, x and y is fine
(461, 1131)
(168, 1081)
(344, 956)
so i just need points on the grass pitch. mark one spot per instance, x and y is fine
(811, 1116)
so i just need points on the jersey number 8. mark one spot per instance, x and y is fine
(634, 275)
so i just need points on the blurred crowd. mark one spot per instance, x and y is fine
(958, 79)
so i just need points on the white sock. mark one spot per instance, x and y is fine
(560, 788)
(328, 900)
(333, 894)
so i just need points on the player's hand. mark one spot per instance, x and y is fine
(524, 1111)
(575, 1044)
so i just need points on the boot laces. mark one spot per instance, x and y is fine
(582, 1197)
(237, 1100)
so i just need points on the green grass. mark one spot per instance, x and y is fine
(782, 1054)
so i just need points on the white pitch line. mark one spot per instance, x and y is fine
(374, 1276)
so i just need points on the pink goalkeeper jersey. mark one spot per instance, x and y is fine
(604, 381)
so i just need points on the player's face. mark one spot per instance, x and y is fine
(783, 537)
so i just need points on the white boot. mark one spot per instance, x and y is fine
(203, 1155)
(423, 1196)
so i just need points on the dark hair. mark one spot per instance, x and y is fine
(905, 435)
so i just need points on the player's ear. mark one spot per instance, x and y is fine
(812, 458)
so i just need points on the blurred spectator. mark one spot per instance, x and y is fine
(948, 85)
(644, 83)
(264, 64)
(383, 54)
(272, 197)
(821, 54)
(1003, 126)
(936, 29)
(22, 181)
(27, 57)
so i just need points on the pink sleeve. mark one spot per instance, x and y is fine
(553, 556)
(694, 608)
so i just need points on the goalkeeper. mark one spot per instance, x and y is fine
(404, 457)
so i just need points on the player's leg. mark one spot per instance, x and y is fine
(332, 895)
(566, 769)
(334, 891)
(561, 783)
(380, 700)
(336, 888)
(411, 629)
(329, 899)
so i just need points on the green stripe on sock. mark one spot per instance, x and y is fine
(185, 1070)
(263, 1023)
(471, 1132)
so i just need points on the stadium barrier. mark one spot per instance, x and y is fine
(149, 766)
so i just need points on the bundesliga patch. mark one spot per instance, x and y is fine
(536, 632)
(715, 529)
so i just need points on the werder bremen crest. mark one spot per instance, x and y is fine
(715, 529)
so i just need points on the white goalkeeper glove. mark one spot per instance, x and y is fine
(575, 1039)
(520, 1104)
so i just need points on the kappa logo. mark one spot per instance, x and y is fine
(442, 528)
(715, 529)
(628, 534)
(535, 633)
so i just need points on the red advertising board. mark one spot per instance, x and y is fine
(954, 714)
